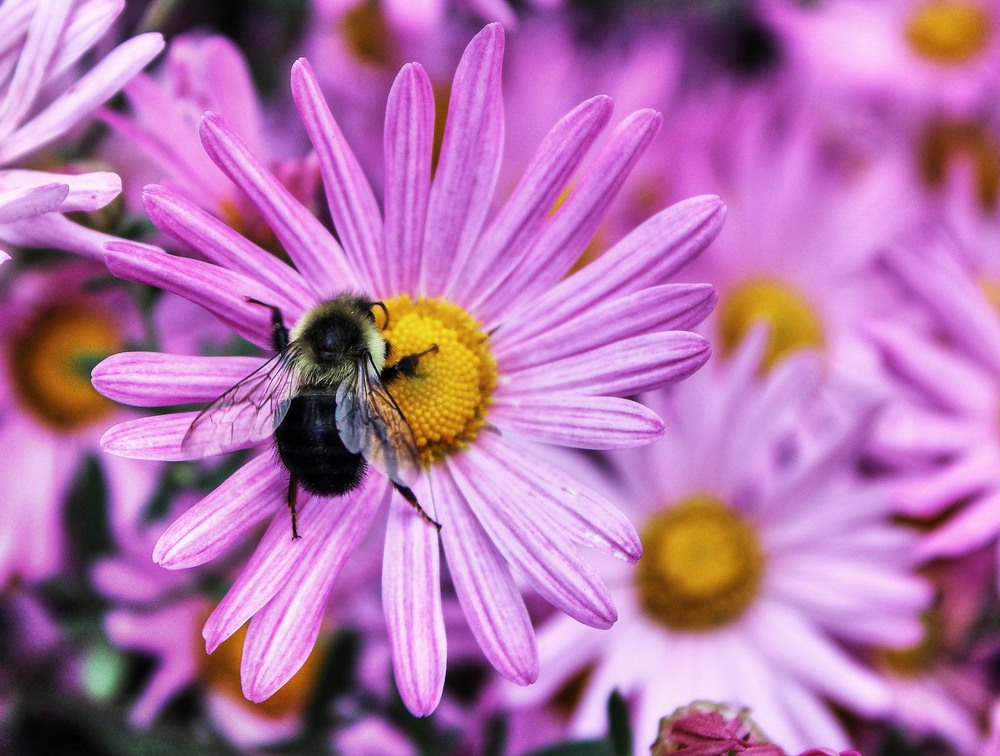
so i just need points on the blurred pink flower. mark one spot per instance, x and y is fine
(543, 356)
(923, 53)
(752, 571)
(39, 43)
(206, 73)
(50, 415)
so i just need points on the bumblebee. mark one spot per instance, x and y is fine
(324, 397)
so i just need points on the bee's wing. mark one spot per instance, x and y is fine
(371, 423)
(247, 413)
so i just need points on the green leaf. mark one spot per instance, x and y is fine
(619, 725)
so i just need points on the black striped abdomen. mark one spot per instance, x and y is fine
(310, 446)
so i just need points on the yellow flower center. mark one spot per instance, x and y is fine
(367, 34)
(917, 659)
(702, 565)
(951, 32)
(446, 403)
(794, 323)
(51, 360)
(220, 671)
(946, 143)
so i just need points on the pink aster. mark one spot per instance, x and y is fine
(943, 428)
(40, 42)
(205, 73)
(523, 350)
(755, 576)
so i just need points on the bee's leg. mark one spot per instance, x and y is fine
(279, 333)
(293, 493)
(407, 494)
(407, 366)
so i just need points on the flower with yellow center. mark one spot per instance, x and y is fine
(702, 565)
(793, 321)
(522, 350)
(950, 32)
(50, 359)
(447, 402)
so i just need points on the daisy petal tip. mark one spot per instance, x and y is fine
(421, 701)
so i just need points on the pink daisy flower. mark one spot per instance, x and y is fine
(521, 350)
(50, 416)
(40, 42)
(753, 572)
(202, 73)
(944, 427)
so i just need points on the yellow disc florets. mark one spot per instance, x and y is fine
(794, 323)
(51, 359)
(951, 32)
(446, 403)
(702, 565)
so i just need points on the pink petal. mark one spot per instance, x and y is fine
(584, 422)
(564, 238)
(53, 231)
(409, 136)
(314, 251)
(469, 163)
(659, 308)
(975, 525)
(928, 493)
(646, 257)
(36, 56)
(411, 600)
(508, 239)
(282, 635)
(160, 438)
(586, 516)
(623, 368)
(30, 201)
(190, 225)
(531, 541)
(485, 588)
(223, 292)
(152, 379)
(211, 526)
(353, 207)
(100, 83)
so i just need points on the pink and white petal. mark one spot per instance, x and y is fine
(352, 205)
(269, 567)
(88, 22)
(565, 236)
(950, 381)
(411, 600)
(409, 137)
(92, 89)
(153, 379)
(908, 433)
(33, 64)
(190, 225)
(495, 610)
(586, 516)
(975, 525)
(791, 642)
(53, 231)
(583, 422)
(648, 256)
(282, 635)
(531, 541)
(660, 308)
(210, 527)
(31, 201)
(225, 293)
(623, 368)
(162, 438)
(316, 254)
(469, 163)
(508, 238)
(927, 493)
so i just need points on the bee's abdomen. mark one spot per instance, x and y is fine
(311, 448)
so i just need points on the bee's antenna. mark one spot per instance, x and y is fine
(385, 311)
